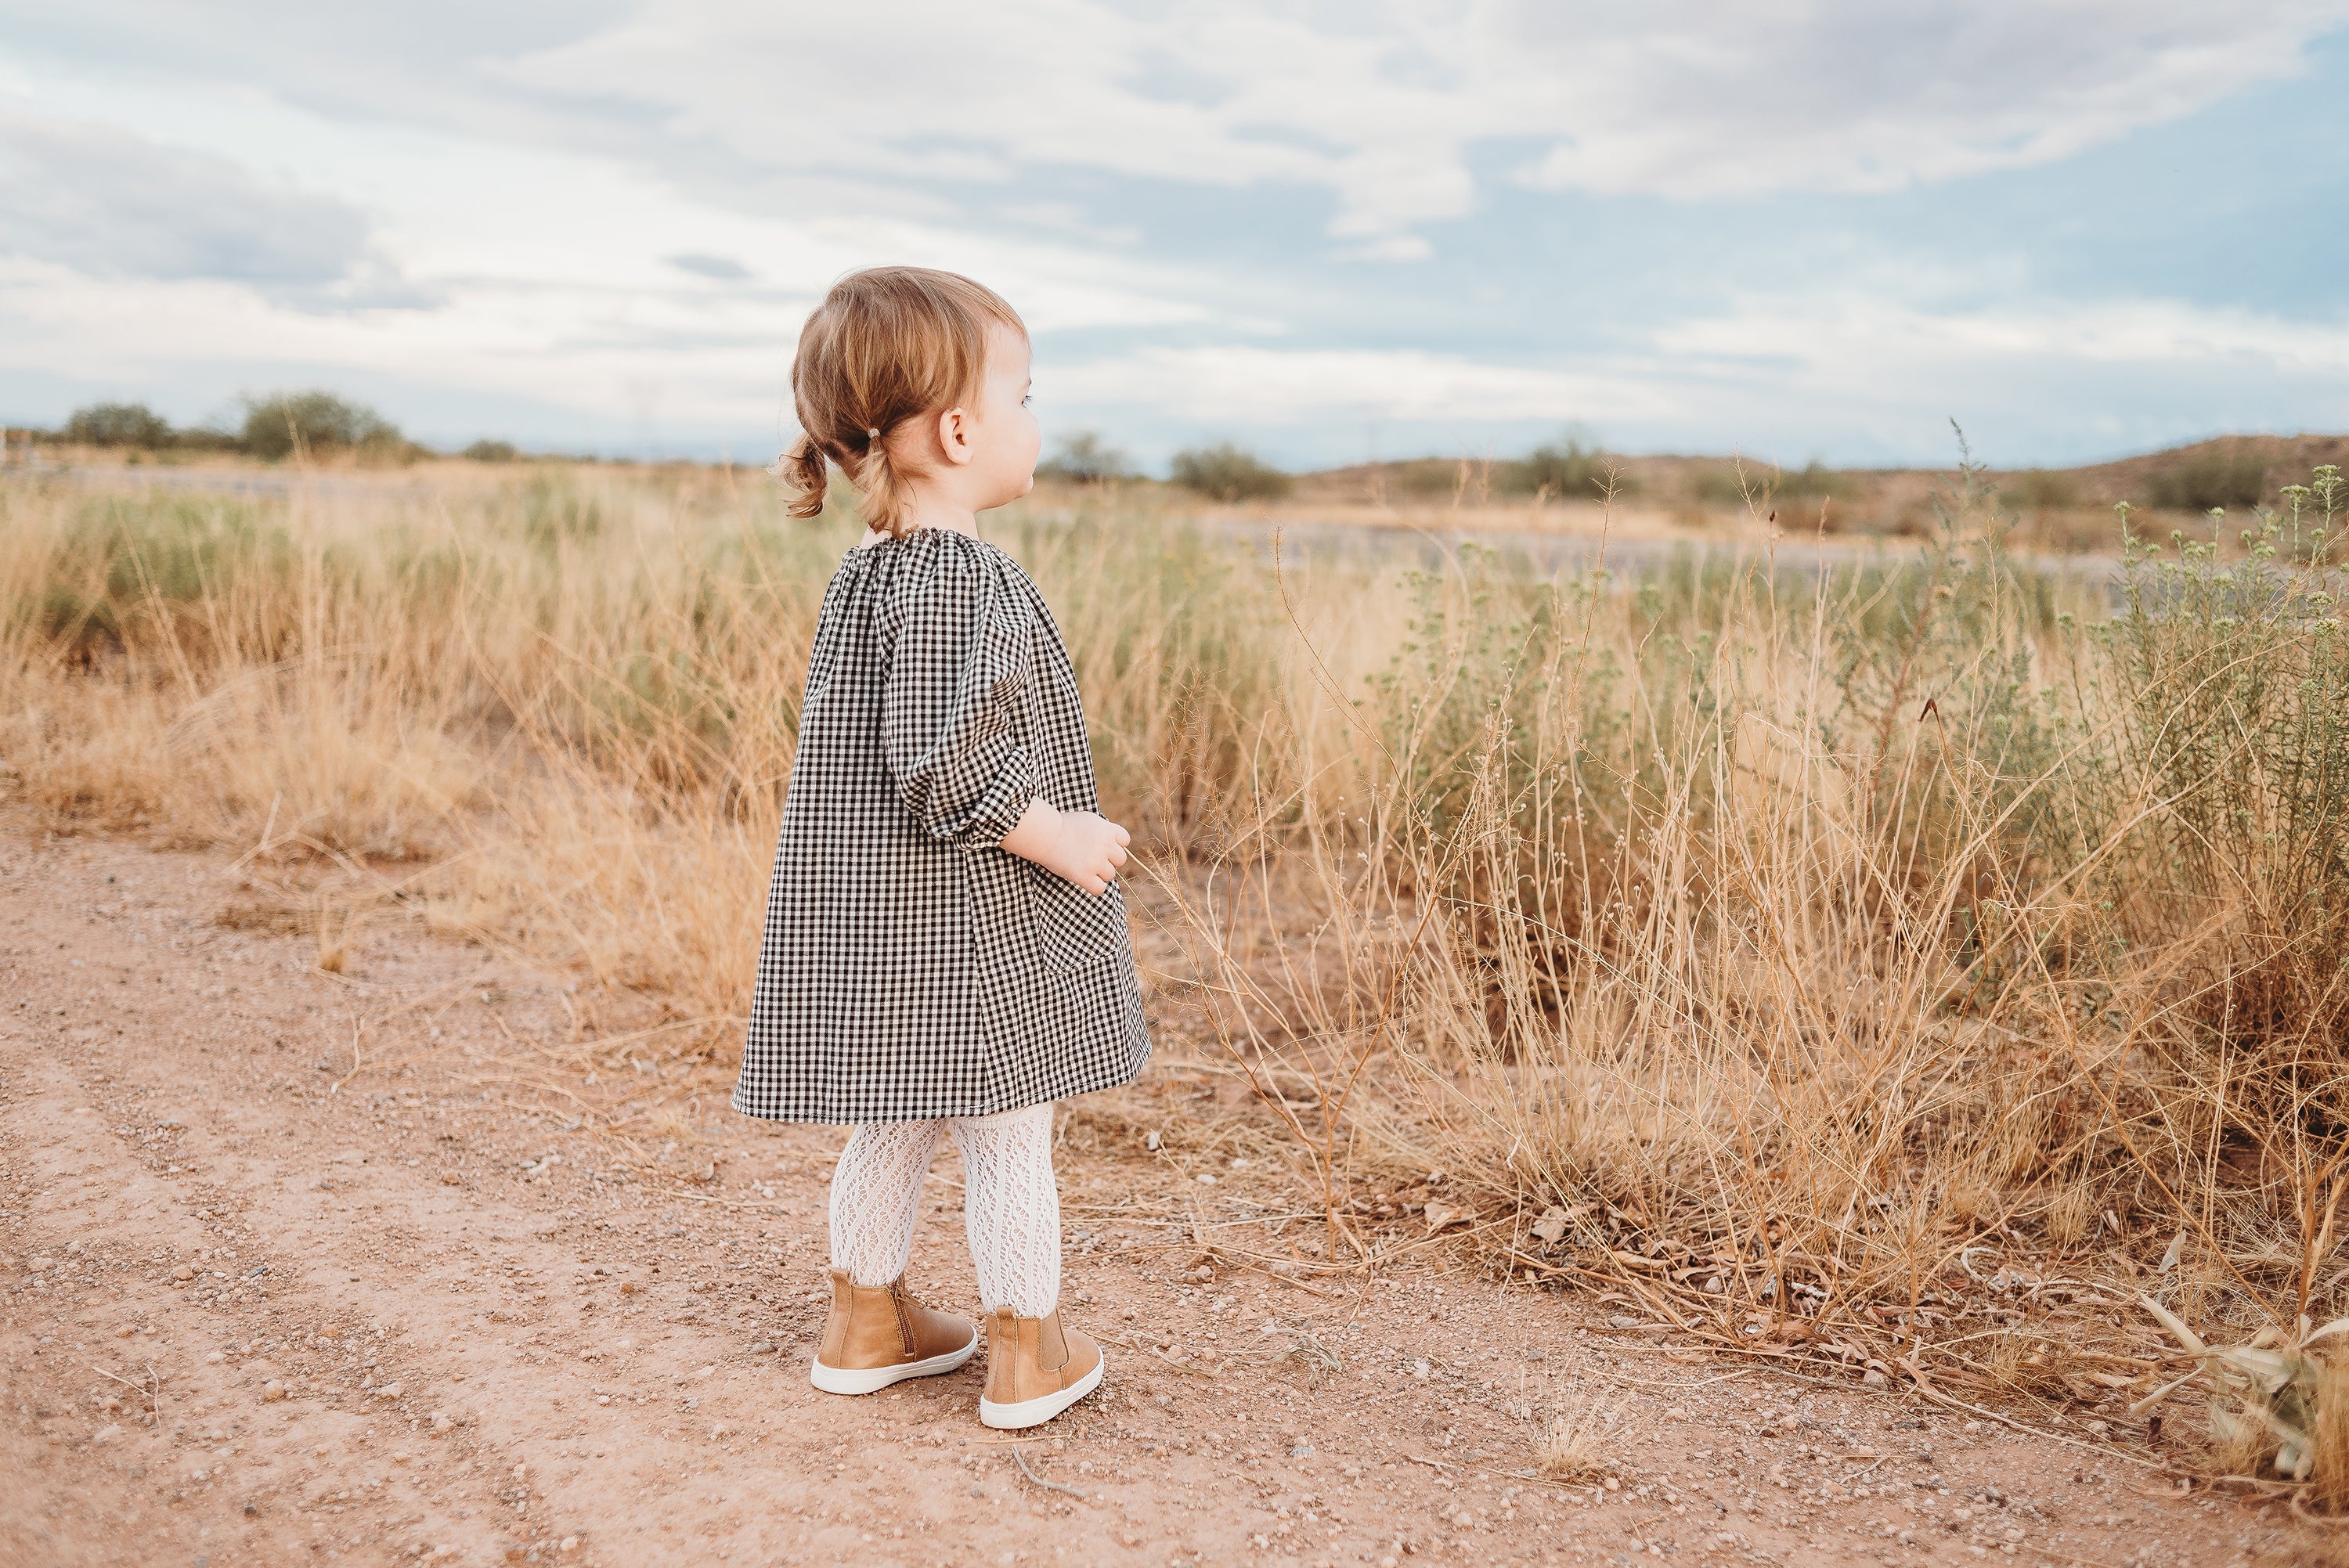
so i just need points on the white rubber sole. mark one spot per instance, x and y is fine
(1036, 1412)
(873, 1380)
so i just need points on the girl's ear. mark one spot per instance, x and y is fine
(954, 436)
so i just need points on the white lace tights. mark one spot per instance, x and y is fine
(1011, 1207)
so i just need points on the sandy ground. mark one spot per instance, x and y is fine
(375, 1267)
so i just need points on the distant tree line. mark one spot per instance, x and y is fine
(1568, 468)
(276, 425)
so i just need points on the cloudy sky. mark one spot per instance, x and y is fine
(1788, 228)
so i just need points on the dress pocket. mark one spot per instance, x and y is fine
(1074, 928)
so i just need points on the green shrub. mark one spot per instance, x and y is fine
(1422, 477)
(1730, 485)
(1229, 473)
(124, 568)
(117, 425)
(2039, 489)
(1566, 469)
(488, 451)
(1816, 482)
(316, 421)
(1086, 459)
(2210, 478)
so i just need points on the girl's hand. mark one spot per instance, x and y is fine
(1082, 848)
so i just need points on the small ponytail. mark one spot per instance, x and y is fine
(804, 472)
(887, 345)
(880, 486)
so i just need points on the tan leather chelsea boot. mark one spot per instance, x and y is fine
(1035, 1369)
(878, 1335)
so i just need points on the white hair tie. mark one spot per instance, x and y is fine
(873, 434)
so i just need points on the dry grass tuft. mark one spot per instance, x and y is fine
(1578, 1447)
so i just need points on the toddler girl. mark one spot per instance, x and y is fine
(946, 948)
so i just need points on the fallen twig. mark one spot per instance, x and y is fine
(1022, 1461)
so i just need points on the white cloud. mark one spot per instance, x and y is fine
(110, 204)
(1385, 107)
(1850, 341)
(1847, 94)
(1245, 385)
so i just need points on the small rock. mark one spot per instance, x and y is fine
(1300, 1450)
(106, 1434)
(705, 1372)
(568, 1544)
(41, 1264)
(443, 1426)
(1205, 1180)
(217, 1356)
(761, 1348)
(1874, 1379)
(1620, 1321)
(272, 1391)
(388, 1391)
(183, 1273)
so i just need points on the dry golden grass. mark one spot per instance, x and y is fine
(1578, 1447)
(1843, 966)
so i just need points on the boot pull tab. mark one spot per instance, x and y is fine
(907, 1349)
(1052, 1345)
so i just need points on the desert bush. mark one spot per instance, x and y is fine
(2039, 489)
(1426, 477)
(2213, 476)
(1568, 468)
(280, 423)
(1229, 473)
(1734, 484)
(117, 425)
(1083, 458)
(489, 452)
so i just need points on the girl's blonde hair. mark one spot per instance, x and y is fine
(887, 344)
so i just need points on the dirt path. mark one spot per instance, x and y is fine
(396, 1299)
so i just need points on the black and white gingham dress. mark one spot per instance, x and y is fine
(912, 968)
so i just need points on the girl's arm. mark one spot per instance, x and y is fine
(1084, 848)
(958, 648)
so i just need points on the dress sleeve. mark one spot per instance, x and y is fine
(957, 643)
